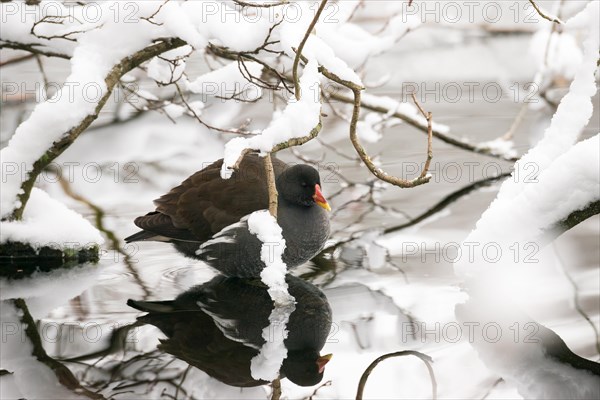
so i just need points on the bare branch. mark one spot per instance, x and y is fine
(56, 20)
(556, 20)
(17, 60)
(428, 117)
(301, 47)
(32, 48)
(260, 5)
(149, 18)
(272, 194)
(201, 121)
(423, 357)
(573, 219)
(378, 172)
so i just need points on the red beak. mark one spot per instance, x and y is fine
(319, 199)
(321, 361)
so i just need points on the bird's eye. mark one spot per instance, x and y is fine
(304, 184)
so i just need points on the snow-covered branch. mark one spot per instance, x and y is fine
(16, 193)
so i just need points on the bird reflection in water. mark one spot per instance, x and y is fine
(218, 327)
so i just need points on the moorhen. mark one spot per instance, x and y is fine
(217, 327)
(206, 216)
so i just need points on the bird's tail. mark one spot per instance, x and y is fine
(145, 235)
(152, 306)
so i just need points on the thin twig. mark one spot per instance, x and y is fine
(423, 357)
(38, 60)
(115, 242)
(260, 5)
(556, 20)
(301, 47)
(17, 60)
(417, 124)
(62, 373)
(32, 48)
(271, 185)
(276, 385)
(428, 117)
(378, 172)
(194, 114)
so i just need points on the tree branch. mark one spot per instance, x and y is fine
(572, 220)
(423, 357)
(556, 20)
(271, 185)
(63, 374)
(378, 172)
(58, 147)
(301, 47)
(260, 5)
(31, 48)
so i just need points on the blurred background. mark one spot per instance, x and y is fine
(387, 271)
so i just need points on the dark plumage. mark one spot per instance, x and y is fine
(556, 349)
(204, 216)
(217, 327)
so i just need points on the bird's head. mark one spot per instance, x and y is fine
(305, 368)
(301, 185)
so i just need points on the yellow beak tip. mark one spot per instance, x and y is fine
(324, 205)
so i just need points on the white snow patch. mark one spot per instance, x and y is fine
(267, 363)
(315, 47)
(174, 110)
(47, 222)
(566, 178)
(564, 54)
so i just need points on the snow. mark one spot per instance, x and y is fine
(163, 71)
(564, 54)
(227, 26)
(296, 120)
(566, 178)
(175, 19)
(48, 222)
(174, 110)
(572, 115)
(367, 129)
(267, 363)
(291, 35)
(523, 361)
(509, 213)
(500, 147)
(354, 45)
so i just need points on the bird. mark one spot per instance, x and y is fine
(217, 327)
(206, 217)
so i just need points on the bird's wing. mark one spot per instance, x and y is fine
(205, 203)
(160, 225)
